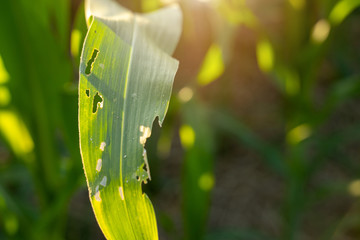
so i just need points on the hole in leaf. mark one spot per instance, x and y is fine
(99, 165)
(87, 92)
(90, 63)
(146, 164)
(97, 101)
(137, 178)
(102, 146)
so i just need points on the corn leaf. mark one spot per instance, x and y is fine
(126, 77)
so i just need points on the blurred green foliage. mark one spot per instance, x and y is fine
(304, 52)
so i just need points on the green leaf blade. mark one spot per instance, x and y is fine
(133, 76)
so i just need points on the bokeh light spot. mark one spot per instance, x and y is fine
(212, 67)
(11, 224)
(75, 42)
(265, 55)
(206, 181)
(298, 134)
(187, 136)
(297, 4)
(185, 94)
(354, 188)
(320, 31)
(5, 96)
(4, 76)
(16, 133)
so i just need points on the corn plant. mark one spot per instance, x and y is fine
(126, 76)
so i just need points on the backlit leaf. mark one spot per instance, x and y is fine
(126, 77)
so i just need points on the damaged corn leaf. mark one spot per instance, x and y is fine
(126, 77)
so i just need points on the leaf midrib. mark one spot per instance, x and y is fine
(123, 117)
